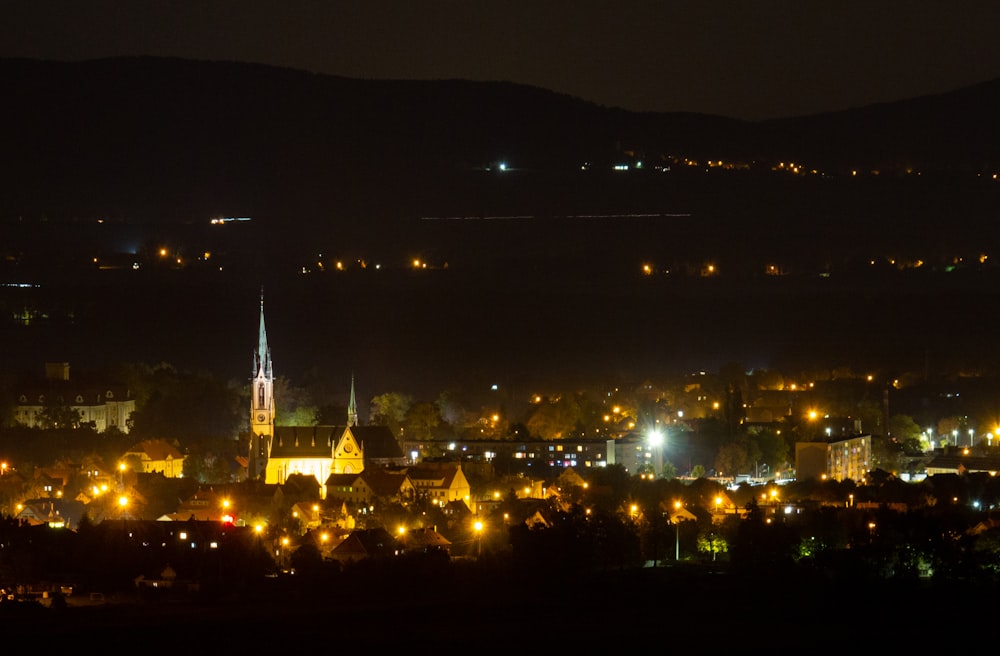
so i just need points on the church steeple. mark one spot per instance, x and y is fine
(262, 356)
(261, 403)
(352, 407)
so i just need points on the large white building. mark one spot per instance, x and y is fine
(105, 406)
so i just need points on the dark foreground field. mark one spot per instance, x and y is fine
(662, 608)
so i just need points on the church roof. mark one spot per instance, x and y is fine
(378, 442)
(304, 441)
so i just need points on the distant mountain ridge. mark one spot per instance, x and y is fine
(127, 132)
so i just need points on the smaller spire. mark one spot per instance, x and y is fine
(352, 407)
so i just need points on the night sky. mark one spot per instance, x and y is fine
(738, 59)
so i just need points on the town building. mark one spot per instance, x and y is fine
(57, 399)
(156, 456)
(834, 459)
(955, 461)
(632, 451)
(440, 482)
(371, 485)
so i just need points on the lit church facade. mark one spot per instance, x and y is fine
(277, 452)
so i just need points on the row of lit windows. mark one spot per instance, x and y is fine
(79, 398)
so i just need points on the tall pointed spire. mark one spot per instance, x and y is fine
(261, 404)
(262, 357)
(352, 407)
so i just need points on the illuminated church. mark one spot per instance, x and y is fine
(277, 452)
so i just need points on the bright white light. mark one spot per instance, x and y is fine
(655, 438)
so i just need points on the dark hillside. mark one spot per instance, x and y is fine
(145, 135)
(148, 136)
(951, 133)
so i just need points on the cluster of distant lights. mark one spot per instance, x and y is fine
(710, 269)
(790, 167)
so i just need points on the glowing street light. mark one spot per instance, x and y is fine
(478, 528)
(677, 531)
(656, 440)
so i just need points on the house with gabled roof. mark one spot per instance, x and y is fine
(204, 505)
(365, 543)
(51, 481)
(302, 486)
(441, 482)
(308, 514)
(157, 456)
(423, 540)
(371, 485)
(52, 512)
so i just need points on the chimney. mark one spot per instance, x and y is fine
(56, 371)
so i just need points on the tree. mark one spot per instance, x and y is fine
(738, 457)
(554, 420)
(196, 408)
(390, 410)
(774, 450)
(453, 408)
(206, 467)
(421, 420)
(712, 542)
(903, 428)
(293, 405)
(56, 414)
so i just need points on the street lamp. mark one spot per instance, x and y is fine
(655, 439)
(478, 527)
(677, 531)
